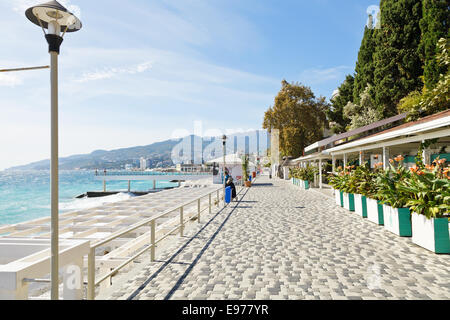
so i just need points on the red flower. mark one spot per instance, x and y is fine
(414, 169)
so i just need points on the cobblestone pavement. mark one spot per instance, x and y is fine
(281, 242)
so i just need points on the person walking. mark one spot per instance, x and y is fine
(229, 183)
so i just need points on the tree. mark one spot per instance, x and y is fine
(434, 25)
(298, 115)
(431, 100)
(363, 113)
(365, 65)
(398, 66)
(336, 113)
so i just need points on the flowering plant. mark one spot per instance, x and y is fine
(387, 182)
(428, 190)
(305, 174)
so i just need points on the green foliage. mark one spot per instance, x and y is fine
(434, 25)
(387, 184)
(423, 190)
(342, 180)
(245, 173)
(397, 60)
(365, 65)
(431, 100)
(336, 113)
(299, 116)
(364, 180)
(409, 104)
(363, 114)
(305, 174)
(428, 191)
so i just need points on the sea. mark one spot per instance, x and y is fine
(25, 195)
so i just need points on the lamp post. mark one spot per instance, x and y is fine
(224, 142)
(56, 19)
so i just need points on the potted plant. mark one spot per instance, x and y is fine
(303, 176)
(396, 215)
(245, 174)
(374, 205)
(337, 181)
(364, 188)
(349, 188)
(428, 190)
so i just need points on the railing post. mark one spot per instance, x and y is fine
(218, 198)
(198, 210)
(210, 201)
(152, 240)
(91, 275)
(181, 222)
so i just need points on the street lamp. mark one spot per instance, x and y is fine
(224, 141)
(55, 18)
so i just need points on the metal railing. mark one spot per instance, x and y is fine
(150, 173)
(92, 283)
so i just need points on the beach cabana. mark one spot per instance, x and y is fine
(233, 163)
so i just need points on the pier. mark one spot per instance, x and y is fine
(150, 175)
(113, 236)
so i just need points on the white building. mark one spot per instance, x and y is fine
(143, 163)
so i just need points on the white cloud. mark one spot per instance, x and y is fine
(21, 5)
(316, 76)
(109, 73)
(10, 80)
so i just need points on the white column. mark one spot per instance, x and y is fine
(426, 156)
(385, 157)
(345, 160)
(361, 158)
(315, 175)
(54, 177)
(320, 173)
(333, 163)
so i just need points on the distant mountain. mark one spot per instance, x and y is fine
(156, 154)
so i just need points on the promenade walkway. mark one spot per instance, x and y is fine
(280, 242)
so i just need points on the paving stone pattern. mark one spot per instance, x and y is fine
(280, 242)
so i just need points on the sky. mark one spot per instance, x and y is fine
(142, 71)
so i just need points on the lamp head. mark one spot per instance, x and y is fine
(51, 14)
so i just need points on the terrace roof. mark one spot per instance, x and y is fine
(434, 126)
(352, 133)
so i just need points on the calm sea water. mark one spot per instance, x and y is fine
(25, 195)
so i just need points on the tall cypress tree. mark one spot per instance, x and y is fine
(336, 113)
(435, 24)
(398, 66)
(365, 65)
